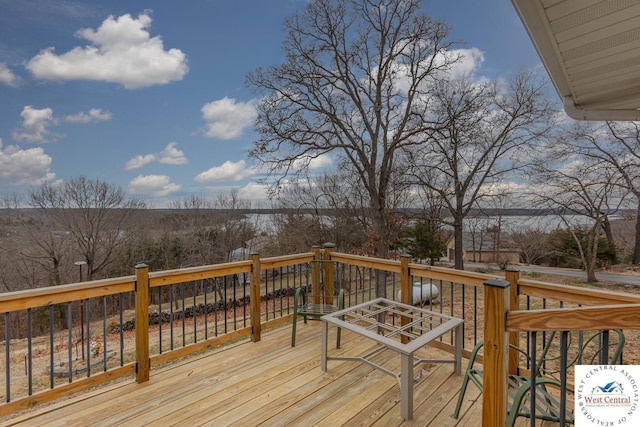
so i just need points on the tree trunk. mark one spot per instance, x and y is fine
(592, 253)
(457, 235)
(382, 247)
(606, 225)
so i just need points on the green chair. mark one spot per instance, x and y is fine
(315, 306)
(547, 367)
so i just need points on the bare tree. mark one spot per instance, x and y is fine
(617, 145)
(94, 213)
(320, 211)
(487, 133)
(533, 243)
(580, 190)
(355, 83)
(36, 252)
(235, 228)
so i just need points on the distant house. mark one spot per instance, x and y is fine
(483, 247)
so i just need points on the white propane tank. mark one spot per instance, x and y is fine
(422, 292)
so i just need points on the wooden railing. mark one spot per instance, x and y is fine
(261, 292)
(572, 309)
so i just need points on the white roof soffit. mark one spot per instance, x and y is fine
(591, 50)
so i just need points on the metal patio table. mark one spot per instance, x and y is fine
(380, 321)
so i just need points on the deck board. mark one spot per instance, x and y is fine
(267, 383)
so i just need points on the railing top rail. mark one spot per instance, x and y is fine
(574, 294)
(616, 316)
(284, 260)
(30, 298)
(448, 274)
(389, 265)
(169, 277)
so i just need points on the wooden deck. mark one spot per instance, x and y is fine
(267, 383)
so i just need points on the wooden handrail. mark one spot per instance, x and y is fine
(31, 298)
(574, 294)
(391, 266)
(170, 277)
(449, 275)
(617, 316)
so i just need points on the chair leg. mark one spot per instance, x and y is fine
(463, 390)
(293, 329)
(338, 339)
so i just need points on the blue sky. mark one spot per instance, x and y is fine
(150, 95)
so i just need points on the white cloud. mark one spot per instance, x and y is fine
(227, 119)
(35, 124)
(25, 167)
(94, 115)
(154, 185)
(121, 51)
(169, 156)
(312, 162)
(7, 77)
(254, 191)
(470, 60)
(228, 172)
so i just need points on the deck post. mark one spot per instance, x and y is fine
(406, 291)
(512, 275)
(254, 298)
(142, 323)
(329, 283)
(315, 274)
(496, 347)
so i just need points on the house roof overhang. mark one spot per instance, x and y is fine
(591, 50)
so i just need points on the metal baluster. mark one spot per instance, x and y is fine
(281, 293)
(564, 335)
(532, 389)
(273, 292)
(104, 332)
(51, 344)
(288, 300)
(451, 313)
(206, 314)
(160, 318)
(121, 331)
(184, 343)
(171, 315)
(195, 315)
(604, 345)
(224, 304)
(87, 317)
(475, 315)
(464, 288)
(69, 343)
(215, 308)
(7, 360)
(30, 351)
(244, 300)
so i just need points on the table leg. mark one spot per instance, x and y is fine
(406, 386)
(458, 349)
(323, 345)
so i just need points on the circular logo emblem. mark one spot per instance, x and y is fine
(607, 395)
